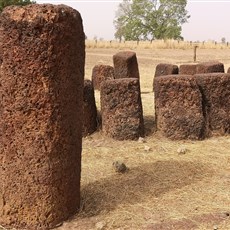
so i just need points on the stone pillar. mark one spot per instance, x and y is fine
(187, 69)
(210, 67)
(215, 89)
(101, 73)
(125, 65)
(121, 108)
(89, 109)
(163, 69)
(178, 107)
(41, 91)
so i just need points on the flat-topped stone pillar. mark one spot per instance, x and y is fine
(41, 91)
(125, 65)
(178, 107)
(187, 69)
(215, 89)
(163, 69)
(101, 73)
(210, 67)
(121, 109)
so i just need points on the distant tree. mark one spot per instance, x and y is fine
(4, 3)
(150, 19)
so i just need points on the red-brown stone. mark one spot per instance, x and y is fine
(178, 107)
(125, 65)
(101, 73)
(41, 91)
(163, 69)
(187, 69)
(210, 67)
(89, 109)
(121, 108)
(215, 89)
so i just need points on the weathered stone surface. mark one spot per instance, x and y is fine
(187, 69)
(121, 108)
(165, 69)
(178, 106)
(101, 73)
(210, 67)
(125, 65)
(89, 109)
(1, 51)
(41, 91)
(228, 70)
(215, 89)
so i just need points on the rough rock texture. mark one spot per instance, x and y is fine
(41, 91)
(187, 69)
(125, 65)
(89, 109)
(178, 106)
(215, 89)
(228, 70)
(121, 108)
(1, 51)
(163, 69)
(101, 73)
(210, 67)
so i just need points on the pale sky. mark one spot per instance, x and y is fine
(209, 19)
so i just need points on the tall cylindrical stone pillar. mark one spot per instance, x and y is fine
(41, 91)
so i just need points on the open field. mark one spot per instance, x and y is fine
(163, 189)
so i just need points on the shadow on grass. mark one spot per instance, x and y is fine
(139, 184)
(150, 125)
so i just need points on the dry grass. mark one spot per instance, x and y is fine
(162, 189)
(155, 44)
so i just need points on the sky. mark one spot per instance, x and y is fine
(209, 19)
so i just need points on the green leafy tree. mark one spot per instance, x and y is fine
(4, 3)
(150, 19)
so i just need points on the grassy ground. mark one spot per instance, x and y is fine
(163, 189)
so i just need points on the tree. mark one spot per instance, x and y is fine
(150, 19)
(4, 3)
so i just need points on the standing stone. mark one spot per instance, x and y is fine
(41, 91)
(187, 69)
(121, 108)
(210, 67)
(1, 51)
(163, 69)
(101, 73)
(89, 109)
(215, 89)
(125, 65)
(178, 107)
(228, 70)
